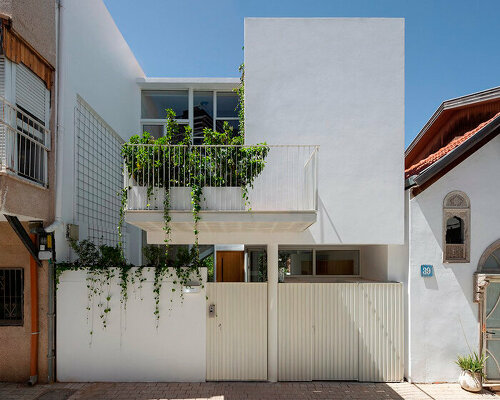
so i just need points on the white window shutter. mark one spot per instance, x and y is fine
(31, 93)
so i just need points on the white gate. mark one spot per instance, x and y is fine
(340, 331)
(237, 331)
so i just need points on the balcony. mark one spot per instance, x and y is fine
(280, 180)
(24, 145)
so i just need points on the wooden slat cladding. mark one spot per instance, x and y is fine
(16, 49)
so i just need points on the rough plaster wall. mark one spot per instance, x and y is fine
(15, 340)
(35, 22)
(441, 304)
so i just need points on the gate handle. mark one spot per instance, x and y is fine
(491, 333)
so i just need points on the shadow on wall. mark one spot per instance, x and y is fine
(326, 222)
(463, 272)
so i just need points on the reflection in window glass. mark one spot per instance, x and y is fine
(154, 130)
(155, 102)
(180, 136)
(227, 105)
(257, 265)
(295, 262)
(203, 113)
(233, 123)
(337, 262)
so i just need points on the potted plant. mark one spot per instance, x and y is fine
(472, 366)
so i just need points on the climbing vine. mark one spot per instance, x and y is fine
(158, 165)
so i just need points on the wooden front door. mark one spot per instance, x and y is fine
(230, 266)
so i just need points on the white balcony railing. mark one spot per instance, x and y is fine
(285, 176)
(24, 144)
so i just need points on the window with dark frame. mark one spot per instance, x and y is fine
(11, 296)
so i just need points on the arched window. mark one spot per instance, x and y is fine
(456, 222)
(455, 230)
(490, 260)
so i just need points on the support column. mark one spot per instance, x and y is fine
(272, 312)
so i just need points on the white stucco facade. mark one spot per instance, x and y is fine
(131, 348)
(96, 64)
(441, 305)
(337, 83)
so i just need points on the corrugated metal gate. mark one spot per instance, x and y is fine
(340, 331)
(237, 332)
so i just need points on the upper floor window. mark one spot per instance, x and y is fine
(456, 227)
(199, 109)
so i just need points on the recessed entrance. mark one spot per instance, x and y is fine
(230, 266)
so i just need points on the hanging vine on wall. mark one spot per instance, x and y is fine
(159, 165)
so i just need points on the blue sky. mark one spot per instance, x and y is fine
(452, 46)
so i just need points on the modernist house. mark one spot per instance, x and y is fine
(305, 283)
(452, 216)
(27, 160)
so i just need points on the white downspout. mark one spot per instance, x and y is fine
(58, 222)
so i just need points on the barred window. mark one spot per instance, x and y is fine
(11, 296)
(456, 224)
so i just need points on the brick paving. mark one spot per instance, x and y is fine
(238, 390)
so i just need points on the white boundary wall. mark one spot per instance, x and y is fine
(442, 304)
(130, 348)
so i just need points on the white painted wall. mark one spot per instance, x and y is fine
(98, 65)
(130, 348)
(439, 303)
(337, 83)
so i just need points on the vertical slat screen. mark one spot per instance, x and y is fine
(294, 332)
(335, 331)
(381, 343)
(237, 335)
(341, 331)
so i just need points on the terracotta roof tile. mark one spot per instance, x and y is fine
(418, 167)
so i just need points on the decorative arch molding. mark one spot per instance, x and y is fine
(481, 280)
(456, 200)
(456, 204)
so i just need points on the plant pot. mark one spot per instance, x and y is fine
(470, 381)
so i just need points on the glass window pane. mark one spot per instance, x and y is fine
(233, 123)
(154, 130)
(295, 262)
(337, 262)
(227, 105)
(155, 102)
(180, 136)
(203, 112)
(257, 265)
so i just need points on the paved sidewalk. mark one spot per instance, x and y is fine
(238, 390)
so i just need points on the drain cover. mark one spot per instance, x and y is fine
(56, 394)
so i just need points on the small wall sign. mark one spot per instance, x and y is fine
(426, 270)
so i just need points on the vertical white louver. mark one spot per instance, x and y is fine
(2, 76)
(31, 93)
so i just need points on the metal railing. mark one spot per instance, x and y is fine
(24, 144)
(276, 177)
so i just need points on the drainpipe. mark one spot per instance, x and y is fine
(58, 222)
(34, 318)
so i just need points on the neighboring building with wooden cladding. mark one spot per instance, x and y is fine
(27, 183)
(452, 170)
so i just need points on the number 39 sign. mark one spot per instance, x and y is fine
(426, 270)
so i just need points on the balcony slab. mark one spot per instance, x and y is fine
(224, 221)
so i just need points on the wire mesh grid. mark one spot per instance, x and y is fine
(98, 176)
